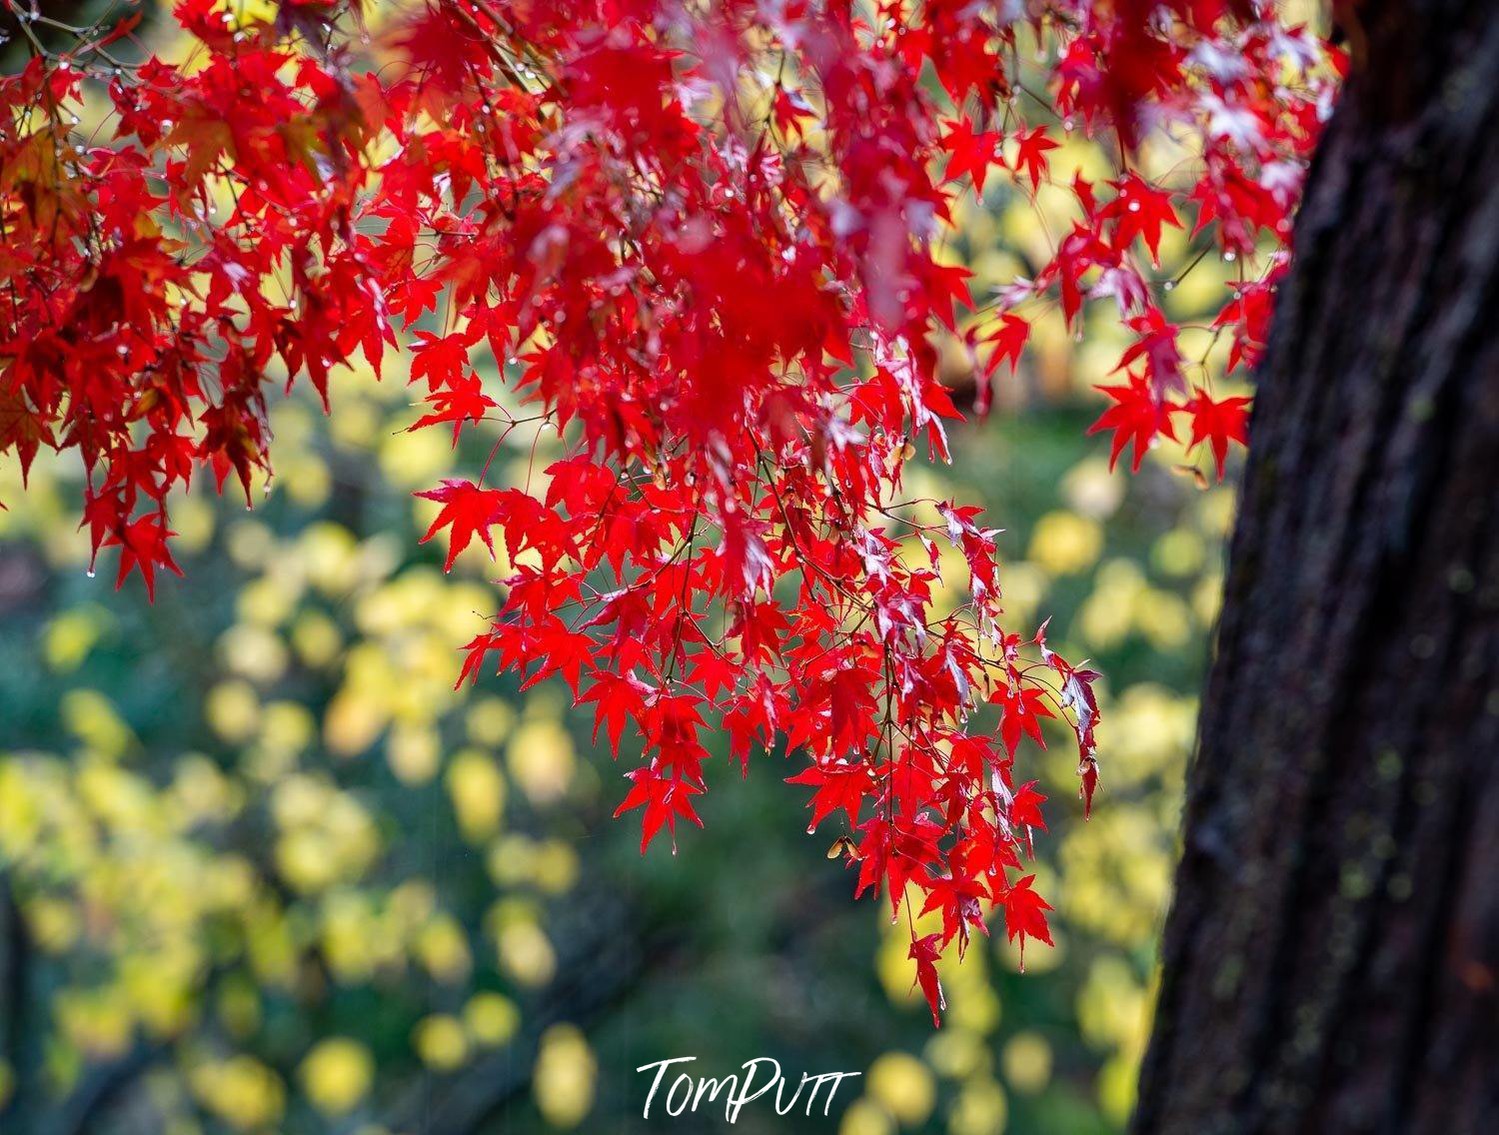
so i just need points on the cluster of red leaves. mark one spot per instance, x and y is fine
(702, 239)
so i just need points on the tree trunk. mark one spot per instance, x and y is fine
(1331, 963)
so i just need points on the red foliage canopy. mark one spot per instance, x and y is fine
(704, 241)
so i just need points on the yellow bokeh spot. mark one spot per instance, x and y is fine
(316, 639)
(524, 950)
(337, 1074)
(67, 640)
(956, 1053)
(903, 1085)
(241, 1091)
(563, 1081)
(352, 723)
(489, 722)
(981, 1109)
(491, 1020)
(441, 1042)
(1027, 1062)
(865, 1117)
(89, 716)
(253, 652)
(1064, 542)
(232, 710)
(443, 950)
(540, 758)
(414, 752)
(477, 790)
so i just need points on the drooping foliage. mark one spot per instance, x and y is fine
(707, 241)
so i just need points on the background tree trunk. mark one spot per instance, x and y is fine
(1332, 958)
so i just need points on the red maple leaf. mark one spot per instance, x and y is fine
(1137, 416)
(143, 545)
(1022, 708)
(1218, 423)
(838, 786)
(925, 952)
(665, 800)
(1009, 340)
(1025, 915)
(970, 153)
(469, 510)
(1140, 210)
(1030, 154)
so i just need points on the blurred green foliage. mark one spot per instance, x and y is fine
(264, 870)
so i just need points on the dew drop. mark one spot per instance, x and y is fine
(89, 573)
(1067, 125)
(1169, 285)
(1230, 256)
(1134, 206)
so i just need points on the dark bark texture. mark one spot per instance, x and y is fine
(1331, 963)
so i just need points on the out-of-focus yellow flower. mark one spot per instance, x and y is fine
(563, 1081)
(1064, 542)
(491, 1020)
(337, 1074)
(1179, 552)
(97, 1023)
(253, 652)
(90, 716)
(241, 1091)
(68, 639)
(981, 1109)
(489, 721)
(443, 949)
(414, 752)
(233, 710)
(524, 950)
(1027, 1062)
(1092, 490)
(866, 1117)
(326, 835)
(1163, 619)
(956, 1053)
(1117, 1081)
(554, 867)
(316, 639)
(441, 1042)
(903, 1085)
(540, 758)
(477, 790)
(352, 722)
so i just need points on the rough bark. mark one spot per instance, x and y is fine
(1331, 963)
